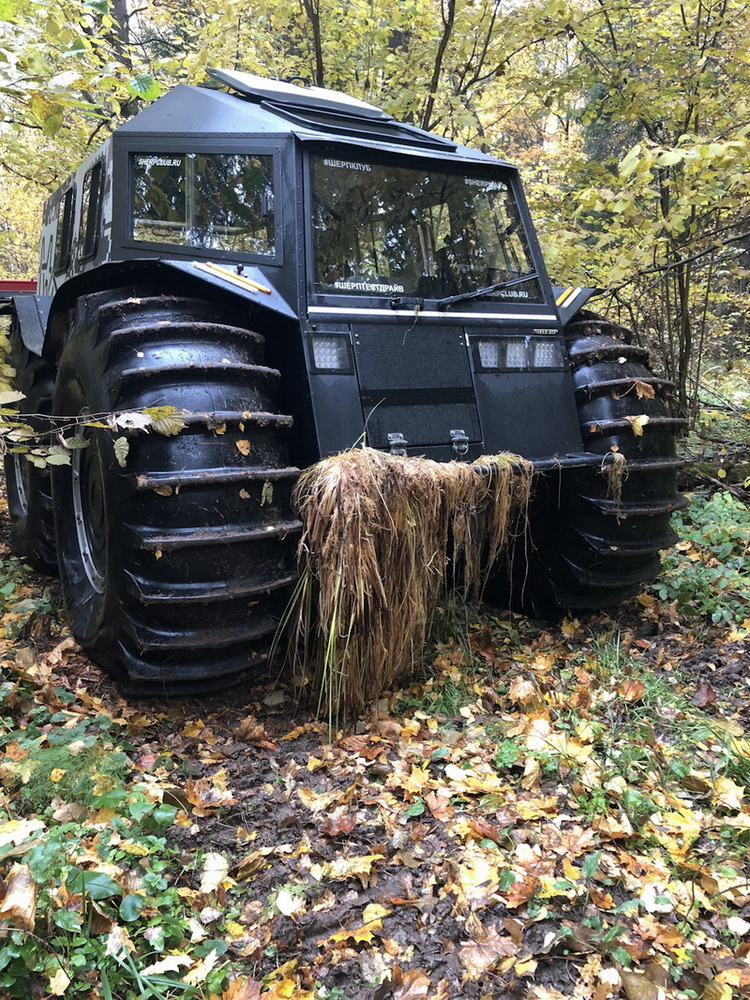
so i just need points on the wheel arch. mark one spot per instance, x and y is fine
(215, 283)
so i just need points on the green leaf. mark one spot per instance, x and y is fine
(590, 864)
(206, 947)
(68, 920)
(417, 808)
(131, 906)
(96, 884)
(507, 879)
(164, 815)
(8, 9)
(144, 86)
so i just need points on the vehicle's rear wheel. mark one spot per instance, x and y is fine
(32, 532)
(175, 569)
(603, 527)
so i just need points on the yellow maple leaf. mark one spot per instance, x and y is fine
(479, 780)
(676, 831)
(728, 794)
(358, 935)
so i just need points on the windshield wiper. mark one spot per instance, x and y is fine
(451, 299)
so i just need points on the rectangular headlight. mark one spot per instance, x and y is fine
(331, 353)
(515, 353)
(489, 353)
(547, 354)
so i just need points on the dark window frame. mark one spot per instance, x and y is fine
(91, 211)
(64, 230)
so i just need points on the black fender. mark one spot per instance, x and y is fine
(207, 279)
(31, 312)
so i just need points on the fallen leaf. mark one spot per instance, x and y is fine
(704, 695)
(644, 390)
(728, 794)
(118, 942)
(488, 947)
(172, 963)
(522, 691)
(59, 982)
(215, 869)
(639, 988)
(718, 991)
(19, 905)
(638, 423)
(632, 690)
(243, 446)
(338, 824)
(243, 988)
(199, 972)
(287, 904)
(410, 985)
(208, 794)
(250, 730)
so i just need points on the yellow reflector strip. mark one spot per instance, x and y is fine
(566, 294)
(238, 279)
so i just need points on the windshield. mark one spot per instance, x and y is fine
(390, 230)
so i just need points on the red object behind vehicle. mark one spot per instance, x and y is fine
(17, 285)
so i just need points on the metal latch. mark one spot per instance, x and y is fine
(398, 443)
(460, 442)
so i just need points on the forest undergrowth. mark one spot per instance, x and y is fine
(548, 811)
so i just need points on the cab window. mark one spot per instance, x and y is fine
(216, 201)
(91, 210)
(64, 231)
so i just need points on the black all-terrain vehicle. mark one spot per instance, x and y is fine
(295, 269)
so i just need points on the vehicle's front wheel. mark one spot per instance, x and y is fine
(175, 568)
(601, 527)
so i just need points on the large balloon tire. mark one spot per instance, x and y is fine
(175, 568)
(29, 490)
(601, 528)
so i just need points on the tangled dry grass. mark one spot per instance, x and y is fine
(384, 536)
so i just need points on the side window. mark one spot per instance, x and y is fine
(64, 232)
(216, 201)
(91, 211)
